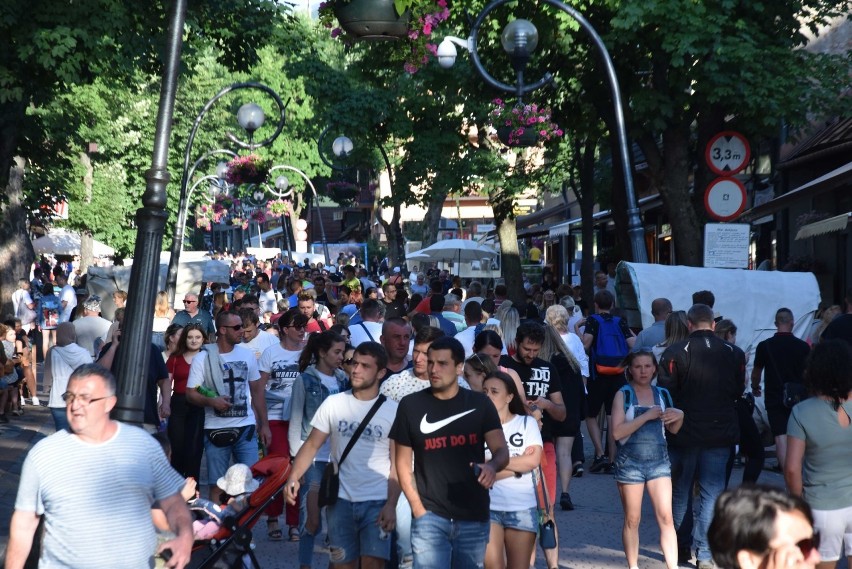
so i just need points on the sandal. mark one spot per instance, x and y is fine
(273, 531)
(294, 534)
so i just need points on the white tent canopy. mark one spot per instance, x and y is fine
(64, 242)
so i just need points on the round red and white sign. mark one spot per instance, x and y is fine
(725, 199)
(727, 153)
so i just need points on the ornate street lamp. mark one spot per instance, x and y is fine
(250, 117)
(131, 364)
(282, 183)
(519, 40)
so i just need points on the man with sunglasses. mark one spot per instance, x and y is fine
(193, 314)
(235, 402)
(71, 476)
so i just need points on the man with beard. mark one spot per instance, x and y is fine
(365, 510)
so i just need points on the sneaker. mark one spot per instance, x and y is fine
(565, 502)
(599, 464)
(36, 402)
(578, 470)
(706, 564)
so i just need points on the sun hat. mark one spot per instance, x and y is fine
(238, 480)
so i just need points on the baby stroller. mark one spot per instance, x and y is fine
(231, 548)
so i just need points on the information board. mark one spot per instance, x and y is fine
(726, 245)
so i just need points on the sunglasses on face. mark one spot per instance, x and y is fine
(808, 545)
(185, 301)
(233, 327)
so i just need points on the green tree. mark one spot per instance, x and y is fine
(51, 47)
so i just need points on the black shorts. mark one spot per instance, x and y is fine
(570, 427)
(602, 389)
(778, 417)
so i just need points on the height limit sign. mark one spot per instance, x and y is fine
(727, 153)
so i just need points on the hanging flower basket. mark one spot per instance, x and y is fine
(412, 21)
(251, 169)
(342, 192)
(277, 208)
(258, 216)
(517, 137)
(523, 125)
(238, 221)
(371, 19)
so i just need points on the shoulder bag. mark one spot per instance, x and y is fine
(546, 525)
(330, 483)
(792, 392)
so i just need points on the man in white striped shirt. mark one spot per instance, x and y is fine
(95, 486)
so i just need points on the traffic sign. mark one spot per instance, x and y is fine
(725, 199)
(727, 153)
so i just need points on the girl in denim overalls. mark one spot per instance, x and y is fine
(641, 413)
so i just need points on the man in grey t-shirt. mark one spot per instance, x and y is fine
(98, 478)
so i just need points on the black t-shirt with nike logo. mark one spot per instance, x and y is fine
(446, 437)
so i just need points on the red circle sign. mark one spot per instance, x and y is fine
(725, 199)
(727, 153)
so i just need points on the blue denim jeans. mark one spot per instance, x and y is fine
(440, 543)
(60, 418)
(244, 451)
(312, 477)
(403, 532)
(707, 466)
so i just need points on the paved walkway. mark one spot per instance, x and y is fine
(590, 536)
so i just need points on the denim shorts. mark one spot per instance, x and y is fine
(633, 470)
(523, 520)
(353, 531)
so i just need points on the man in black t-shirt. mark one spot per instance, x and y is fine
(543, 391)
(841, 326)
(781, 359)
(445, 430)
(394, 308)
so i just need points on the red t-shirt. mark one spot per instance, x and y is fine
(179, 369)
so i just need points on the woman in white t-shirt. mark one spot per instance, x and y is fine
(514, 515)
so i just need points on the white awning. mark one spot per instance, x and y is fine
(830, 225)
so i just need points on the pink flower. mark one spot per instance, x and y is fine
(541, 119)
(498, 102)
(543, 132)
(427, 28)
(410, 68)
(442, 3)
(432, 48)
(508, 123)
(413, 34)
(558, 132)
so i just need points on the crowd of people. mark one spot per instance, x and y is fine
(447, 419)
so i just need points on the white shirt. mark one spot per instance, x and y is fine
(364, 474)
(239, 367)
(575, 346)
(268, 301)
(516, 494)
(358, 333)
(260, 342)
(69, 295)
(466, 337)
(283, 369)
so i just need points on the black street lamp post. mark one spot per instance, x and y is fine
(520, 39)
(251, 117)
(131, 365)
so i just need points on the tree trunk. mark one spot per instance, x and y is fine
(624, 252)
(16, 250)
(86, 239)
(675, 188)
(432, 219)
(510, 257)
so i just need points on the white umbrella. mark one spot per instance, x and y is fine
(64, 242)
(459, 250)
